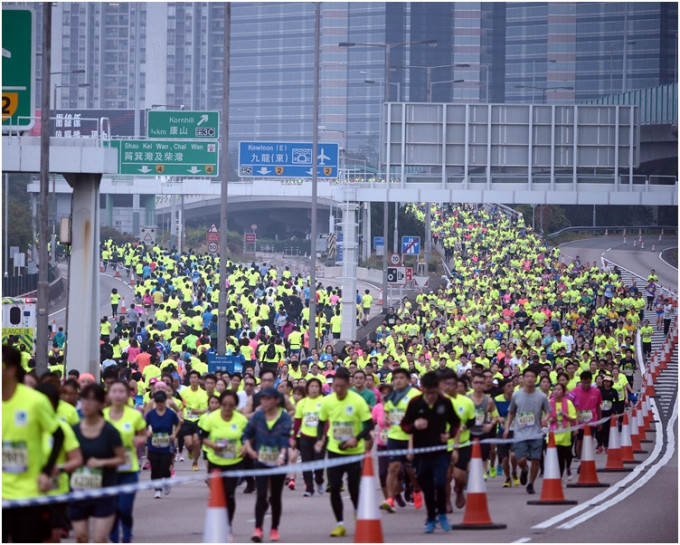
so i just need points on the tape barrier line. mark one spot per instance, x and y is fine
(299, 467)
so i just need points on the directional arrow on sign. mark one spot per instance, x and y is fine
(202, 120)
(144, 169)
(264, 170)
(194, 170)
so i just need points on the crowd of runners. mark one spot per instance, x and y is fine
(516, 342)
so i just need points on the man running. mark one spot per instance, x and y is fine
(196, 403)
(530, 411)
(349, 425)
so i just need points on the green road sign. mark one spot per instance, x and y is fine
(17, 68)
(183, 125)
(166, 157)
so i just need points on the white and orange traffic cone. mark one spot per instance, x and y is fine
(614, 458)
(117, 275)
(54, 328)
(476, 515)
(101, 266)
(380, 297)
(368, 526)
(587, 477)
(635, 434)
(122, 309)
(627, 443)
(551, 492)
(216, 529)
(641, 427)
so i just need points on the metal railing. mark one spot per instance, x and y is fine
(631, 230)
(98, 136)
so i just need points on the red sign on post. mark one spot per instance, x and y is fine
(409, 274)
(212, 235)
(250, 238)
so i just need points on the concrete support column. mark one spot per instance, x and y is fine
(428, 236)
(83, 294)
(349, 271)
(109, 211)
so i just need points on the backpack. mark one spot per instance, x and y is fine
(270, 354)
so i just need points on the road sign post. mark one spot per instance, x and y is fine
(286, 160)
(183, 125)
(167, 157)
(212, 237)
(18, 68)
(395, 259)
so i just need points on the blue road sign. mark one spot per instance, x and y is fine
(223, 362)
(378, 241)
(410, 245)
(286, 160)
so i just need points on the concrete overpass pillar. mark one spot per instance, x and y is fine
(349, 272)
(82, 322)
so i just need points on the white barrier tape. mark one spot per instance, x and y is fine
(299, 467)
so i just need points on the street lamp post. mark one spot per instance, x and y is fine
(388, 52)
(428, 74)
(544, 90)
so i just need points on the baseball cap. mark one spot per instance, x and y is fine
(270, 392)
(608, 377)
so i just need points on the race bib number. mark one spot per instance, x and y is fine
(85, 478)
(14, 457)
(343, 431)
(480, 417)
(268, 455)
(383, 435)
(127, 466)
(606, 405)
(160, 440)
(311, 420)
(526, 419)
(585, 416)
(396, 416)
(191, 415)
(227, 448)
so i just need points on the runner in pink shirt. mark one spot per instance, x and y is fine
(587, 401)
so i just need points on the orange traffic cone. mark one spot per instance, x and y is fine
(614, 459)
(122, 309)
(551, 493)
(380, 298)
(648, 386)
(627, 443)
(117, 271)
(476, 515)
(216, 529)
(54, 328)
(587, 477)
(368, 526)
(635, 434)
(641, 423)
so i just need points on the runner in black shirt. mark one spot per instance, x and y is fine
(431, 420)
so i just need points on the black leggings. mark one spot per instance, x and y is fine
(603, 433)
(229, 484)
(275, 485)
(308, 454)
(564, 457)
(335, 474)
(666, 326)
(160, 464)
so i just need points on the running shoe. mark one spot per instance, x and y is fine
(599, 450)
(444, 523)
(417, 500)
(515, 479)
(194, 467)
(523, 477)
(460, 498)
(274, 535)
(291, 484)
(430, 526)
(507, 483)
(569, 475)
(499, 469)
(308, 494)
(400, 500)
(249, 489)
(486, 475)
(181, 458)
(147, 465)
(492, 472)
(166, 490)
(320, 489)
(388, 505)
(172, 473)
(257, 536)
(530, 489)
(177, 457)
(408, 494)
(157, 495)
(339, 531)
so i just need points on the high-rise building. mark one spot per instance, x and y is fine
(171, 55)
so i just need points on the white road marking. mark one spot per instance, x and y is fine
(666, 262)
(523, 540)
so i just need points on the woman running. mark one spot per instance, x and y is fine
(306, 424)
(163, 426)
(266, 442)
(130, 424)
(224, 428)
(102, 450)
(563, 416)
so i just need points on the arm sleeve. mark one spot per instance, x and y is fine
(409, 418)
(58, 437)
(297, 423)
(367, 427)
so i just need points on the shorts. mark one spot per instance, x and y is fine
(464, 455)
(503, 449)
(531, 448)
(485, 447)
(26, 524)
(97, 507)
(59, 518)
(188, 428)
(397, 444)
(336, 335)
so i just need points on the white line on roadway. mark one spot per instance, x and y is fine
(666, 262)
(523, 540)
(611, 491)
(670, 452)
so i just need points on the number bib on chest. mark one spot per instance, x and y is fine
(191, 415)
(160, 440)
(343, 431)
(311, 420)
(127, 466)
(14, 457)
(606, 406)
(268, 455)
(585, 416)
(227, 448)
(526, 419)
(85, 478)
(383, 435)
